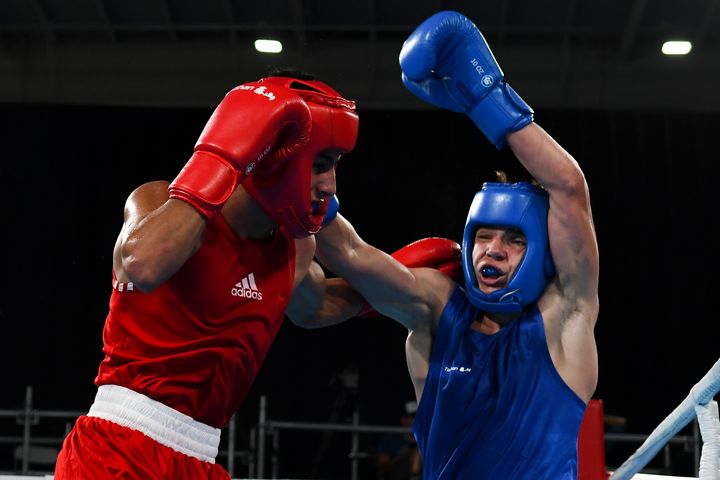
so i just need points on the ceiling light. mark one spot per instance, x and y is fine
(268, 46)
(679, 47)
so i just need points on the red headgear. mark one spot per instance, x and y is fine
(285, 194)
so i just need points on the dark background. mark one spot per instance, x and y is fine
(67, 170)
(99, 96)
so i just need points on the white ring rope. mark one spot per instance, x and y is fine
(710, 430)
(701, 394)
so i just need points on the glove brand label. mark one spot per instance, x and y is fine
(251, 167)
(486, 80)
(246, 288)
(261, 90)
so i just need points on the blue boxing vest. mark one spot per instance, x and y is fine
(493, 406)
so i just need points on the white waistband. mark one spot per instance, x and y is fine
(163, 424)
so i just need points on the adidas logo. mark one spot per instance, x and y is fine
(246, 288)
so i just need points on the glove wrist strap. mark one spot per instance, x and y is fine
(500, 112)
(205, 182)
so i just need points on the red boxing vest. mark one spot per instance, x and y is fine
(196, 343)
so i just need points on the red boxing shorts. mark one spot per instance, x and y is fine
(99, 448)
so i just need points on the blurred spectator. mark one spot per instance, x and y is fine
(397, 456)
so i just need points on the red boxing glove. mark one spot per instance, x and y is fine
(254, 124)
(433, 252)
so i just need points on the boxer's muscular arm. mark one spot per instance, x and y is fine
(418, 347)
(570, 224)
(320, 302)
(412, 297)
(570, 305)
(158, 235)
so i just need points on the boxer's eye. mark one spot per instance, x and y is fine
(325, 161)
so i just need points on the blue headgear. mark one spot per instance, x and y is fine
(511, 205)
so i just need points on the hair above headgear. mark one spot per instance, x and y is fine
(510, 205)
(312, 91)
(286, 196)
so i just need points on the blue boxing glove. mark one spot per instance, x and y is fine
(447, 63)
(332, 211)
